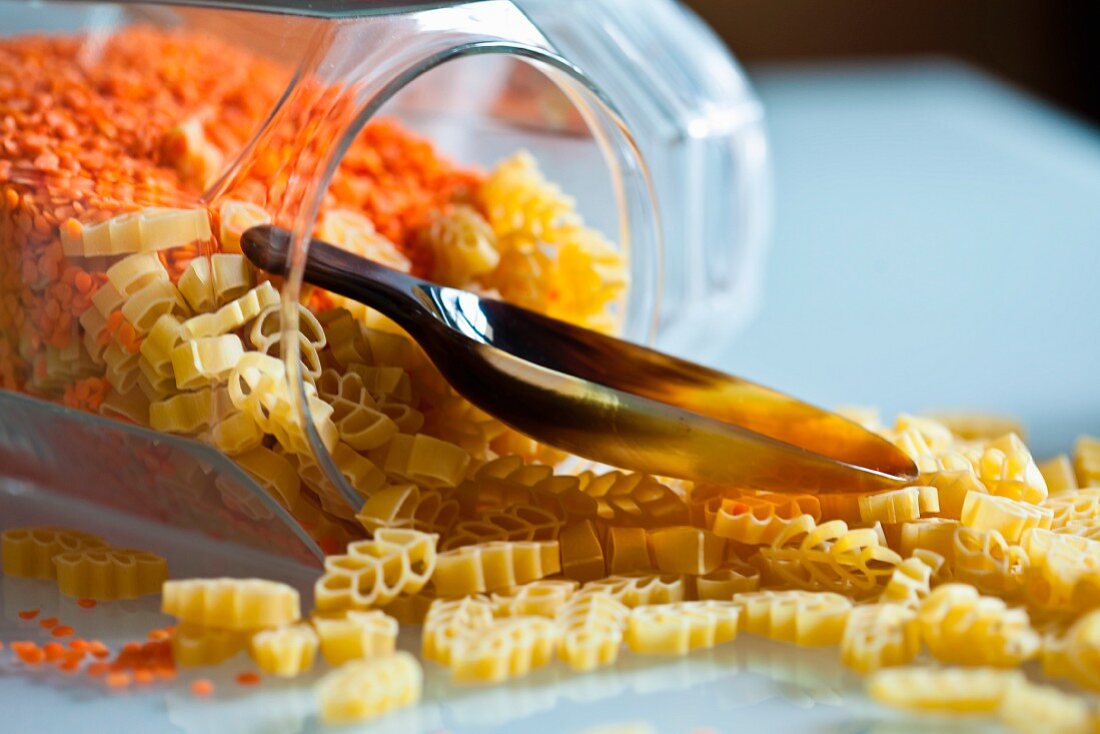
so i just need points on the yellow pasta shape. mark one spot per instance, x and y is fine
(195, 645)
(122, 367)
(284, 651)
(953, 690)
(266, 336)
(911, 579)
(474, 569)
(156, 348)
(1059, 475)
(94, 325)
(952, 487)
(232, 276)
(723, 583)
(419, 551)
(374, 572)
(973, 426)
(635, 499)
(189, 412)
(1010, 518)
(1027, 708)
(233, 315)
(132, 273)
(899, 505)
(758, 519)
(627, 550)
(109, 573)
(961, 627)
(29, 552)
(234, 218)
(582, 556)
(132, 405)
(355, 233)
(686, 549)
(356, 635)
(344, 336)
(424, 460)
(405, 505)
(507, 648)
(361, 427)
(236, 434)
(1006, 468)
(879, 636)
(592, 627)
(1086, 461)
(447, 620)
(984, 559)
(233, 604)
(366, 689)
(679, 628)
(390, 349)
(199, 362)
(932, 534)
(274, 473)
(639, 589)
(1073, 507)
(803, 617)
(156, 299)
(363, 476)
(411, 609)
(108, 299)
(462, 244)
(540, 598)
(197, 286)
(1082, 651)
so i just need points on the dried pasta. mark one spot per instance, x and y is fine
(232, 315)
(231, 604)
(505, 649)
(592, 627)
(475, 569)
(29, 552)
(195, 645)
(685, 549)
(678, 628)
(802, 617)
(1032, 709)
(374, 572)
(449, 619)
(962, 627)
(1011, 518)
(366, 689)
(627, 550)
(582, 554)
(284, 651)
(639, 589)
(878, 636)
(109, 573)
(899, 505)
(954, 690)
(758, 519)
(1086, 461)
(1059, 475)
(540, 598)
(356, 635)
(463, 245)
(723, 583)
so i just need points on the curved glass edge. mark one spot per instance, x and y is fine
(159, 477)
(312, 8)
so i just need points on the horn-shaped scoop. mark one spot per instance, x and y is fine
(603, 398)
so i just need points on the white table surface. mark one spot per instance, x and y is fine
(934, 246)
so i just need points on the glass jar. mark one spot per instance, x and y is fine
(143, 138)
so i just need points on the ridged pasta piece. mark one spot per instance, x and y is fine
(540, 598)
(899, 505)
(236, 434)
(366, 689)
(232, 315)
(1073, 506)
(1010, 518)
(352, 231)
(372, 573)
(132, 273)
(1064, 571)
(952, 690)
(1082, 651)
(423, 460)
(518, 522)
(1059, 475)
(911, 580)
(29, 552)
(582, 556)
(232, 604)
(686, 550)
(984, 559)
(475, 569)
(1028, 708)
(962, 627)
(356, 635)
(508, 648)
(462, 244)
(199, 362)
(132, 405)
(156, 348)
(1007, 469)
(234, 217)
(189, 412)
(758, 519)
(1086, 461)
(952, 488)
(680, 627)
(109, 573)
(407, 506)
(830, 557)
(197, 287)
(275, 474)
(447, 620)
(880, 636)
(232, 275)
(932, 534)
(266, 336)
(286, 652)
(592, 627)
(723, 583)
(411, 609)
(158, 298)
(634, 499)
(195, 645)
(639, 589)
(806, 618)
(627, 550)
(508, 481)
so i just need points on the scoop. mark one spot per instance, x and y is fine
(603, 398)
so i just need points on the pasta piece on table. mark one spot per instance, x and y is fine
(366, 689)
(962, 627)
(355, 635)
(953, 690)
(195, 645)
(508, 648)
(29, 552)
(686, 550)
(878, 636)
(109, 573)
(680, 627)
(233, 604)
(285, 651)
(592, 627)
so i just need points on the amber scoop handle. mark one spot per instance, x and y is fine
(603, 398)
